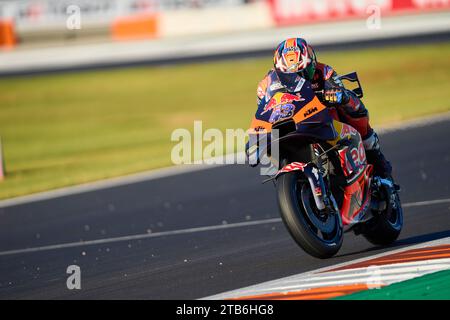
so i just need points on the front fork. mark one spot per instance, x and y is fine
(323, 197)
(317, 185)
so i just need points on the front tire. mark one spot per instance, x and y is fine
(319, 236)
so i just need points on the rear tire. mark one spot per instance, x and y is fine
(385, 228)
(296, 204)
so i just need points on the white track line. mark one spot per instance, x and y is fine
(425, 203)
(177, 232)
(176, 170)
(142, 236)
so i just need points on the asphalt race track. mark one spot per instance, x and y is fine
(194, 263)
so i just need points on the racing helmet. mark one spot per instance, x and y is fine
(294, 58)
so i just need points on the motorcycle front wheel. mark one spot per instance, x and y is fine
(319, 234)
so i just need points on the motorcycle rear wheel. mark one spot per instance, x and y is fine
(300, 216)
(385, 228)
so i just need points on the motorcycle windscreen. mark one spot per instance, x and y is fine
(291, 81)
(319, 126)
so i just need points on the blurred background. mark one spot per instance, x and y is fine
(92, 89)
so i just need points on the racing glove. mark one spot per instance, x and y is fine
(336, 96)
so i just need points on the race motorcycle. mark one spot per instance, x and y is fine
(324, 185)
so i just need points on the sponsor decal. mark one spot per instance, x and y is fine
(281, 99)
(358, 156)
(310, 111)
(300, 84)
(276, 86)
(282, 111)
(347, 131)
(318, 191)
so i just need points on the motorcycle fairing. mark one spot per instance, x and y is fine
(279, 105)
(352, 156)
(356, 191)
(319, 126)
(356, 171)
(356, 198)
(313, 121)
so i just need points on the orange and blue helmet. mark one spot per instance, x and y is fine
(294, 57)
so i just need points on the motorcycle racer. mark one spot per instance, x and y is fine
(294, 59)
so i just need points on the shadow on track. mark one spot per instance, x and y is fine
(403, 242)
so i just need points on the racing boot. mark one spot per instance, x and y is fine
(382, 167)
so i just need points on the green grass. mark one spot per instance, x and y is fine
(434, 286)
(66, 129)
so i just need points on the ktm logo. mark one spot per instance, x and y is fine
(310, 111)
